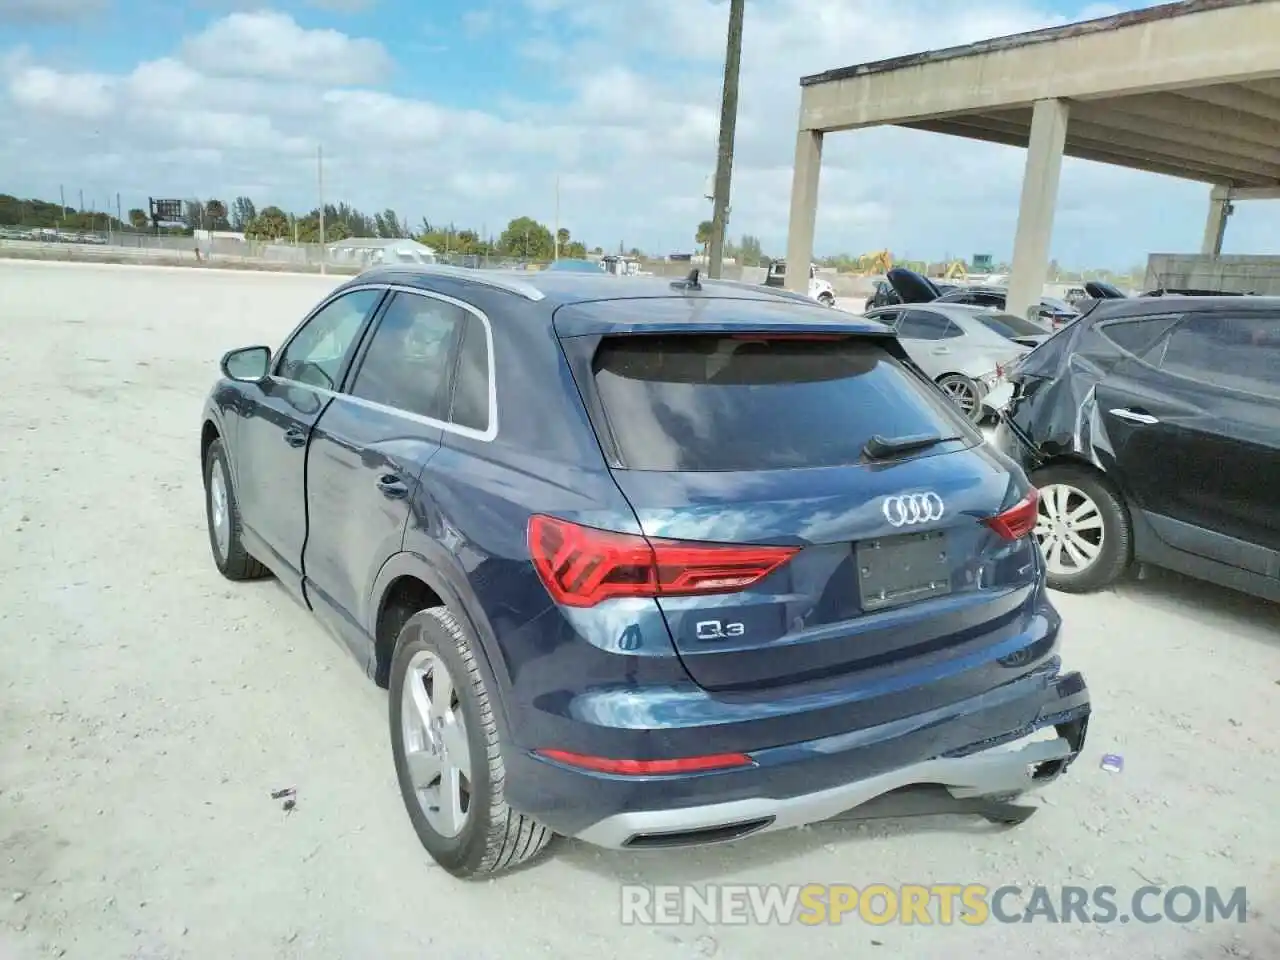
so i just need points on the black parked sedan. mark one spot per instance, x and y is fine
(1152, 428)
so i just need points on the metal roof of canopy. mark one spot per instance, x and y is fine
(1188, 89)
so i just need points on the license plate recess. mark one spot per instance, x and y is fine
(902, 569)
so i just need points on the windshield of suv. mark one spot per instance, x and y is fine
(1010, 325)
(720, 402)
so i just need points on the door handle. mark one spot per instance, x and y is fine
(941, 349)
(1134, 416)
(295, 437)
(392, 487)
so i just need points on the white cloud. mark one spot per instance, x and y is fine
(631, 135)
(270, 44)
(81, 95)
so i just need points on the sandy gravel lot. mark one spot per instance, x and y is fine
(147, 709)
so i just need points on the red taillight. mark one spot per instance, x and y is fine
(581, 566)
(1020, 519)
(649, 768)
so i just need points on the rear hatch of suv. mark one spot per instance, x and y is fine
(812, 505)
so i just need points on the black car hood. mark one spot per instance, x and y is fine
(1098, 290)
(911, 286)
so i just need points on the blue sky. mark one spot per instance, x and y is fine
(469, 112)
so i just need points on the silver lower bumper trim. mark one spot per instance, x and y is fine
(1002, 770)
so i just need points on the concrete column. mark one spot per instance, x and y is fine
(1035, 213)
(804, 209)
(1215, 226)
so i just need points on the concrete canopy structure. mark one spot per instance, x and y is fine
(1188, 89)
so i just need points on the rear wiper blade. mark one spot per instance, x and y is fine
(878, 447)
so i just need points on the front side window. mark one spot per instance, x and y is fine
(409, 362)
(1237, 352)
(316, 353)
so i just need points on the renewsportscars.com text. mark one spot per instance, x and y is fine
(942, 904)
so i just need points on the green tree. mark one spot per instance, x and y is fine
(215, 215)
(703, 237)
(528, 239)
(271, 224)
(751, 253)
(138, 217)
(243, 213)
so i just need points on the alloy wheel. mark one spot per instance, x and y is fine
(220, 511)
(436, 749)
(1069, 529)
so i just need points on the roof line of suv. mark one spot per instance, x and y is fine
(487, 278)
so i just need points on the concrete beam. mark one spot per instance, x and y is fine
(1215, 226)
(1255, 193)
(1212, 46)
(1192, 114)
(1035, 211)
(1164, 146)
(1237, 99)
(1100, 113)
(1100, 151)
(804, 209)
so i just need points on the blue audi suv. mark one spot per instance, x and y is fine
(642, 562)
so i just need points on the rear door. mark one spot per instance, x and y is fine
(371, 445)
(1194, 421)
(755, 439)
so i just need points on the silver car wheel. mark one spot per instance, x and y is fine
(1069, 529)
(436, 749)
(220, 512)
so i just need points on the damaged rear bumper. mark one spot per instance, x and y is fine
(1025, 739)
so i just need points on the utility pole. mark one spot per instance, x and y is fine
(728, 124)
(324, 249)
(62, 195)
(80, 209)
(556, 239)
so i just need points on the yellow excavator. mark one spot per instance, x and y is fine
(956, 270)
(881, 261)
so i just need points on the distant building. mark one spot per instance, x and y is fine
(373, 251)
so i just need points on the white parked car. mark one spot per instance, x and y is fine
(819, 289)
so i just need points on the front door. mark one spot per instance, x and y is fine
(272, 439)
(369, 449)
(1195, 426)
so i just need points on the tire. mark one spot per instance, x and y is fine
(826, 299)
(491, 836)
(1103, 522)
(222, 516)
(964, 393)
(868, 306)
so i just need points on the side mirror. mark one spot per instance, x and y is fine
(248, 364)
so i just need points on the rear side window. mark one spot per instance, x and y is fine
(1138, 336)
(1236, 352)
(712, 402)
(471, 385)
(1010, 326)
(410, 357)
(923, 325)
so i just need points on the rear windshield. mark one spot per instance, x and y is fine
(1010, 325)
(715, 402)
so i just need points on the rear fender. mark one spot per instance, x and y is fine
(432, 564)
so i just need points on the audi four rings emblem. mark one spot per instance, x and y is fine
(913, 508)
